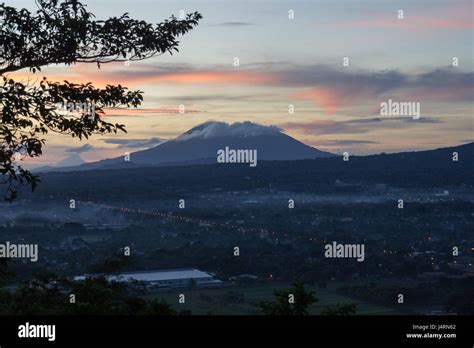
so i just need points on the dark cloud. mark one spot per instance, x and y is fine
(422, 119)
(325, 127)
(366, 120)
(349, 142)
(135, 143)
(445, 77)
(376, 82)
(309, 76)
(355, 126)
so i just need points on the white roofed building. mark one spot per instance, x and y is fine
(165, 278)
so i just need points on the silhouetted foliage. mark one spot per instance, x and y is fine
(66, 33)
(48, 294)
(3, 270)
(283, 306)
(460, 299)
(111, 265)
(340, 309)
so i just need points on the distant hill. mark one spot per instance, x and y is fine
(423, 169)
(73, 160)
(200, 144)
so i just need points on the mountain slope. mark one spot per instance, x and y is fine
(200, 144)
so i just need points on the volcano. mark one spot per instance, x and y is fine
(200, 145)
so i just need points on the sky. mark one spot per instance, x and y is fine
(296, 61)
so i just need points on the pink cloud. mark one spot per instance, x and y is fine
(329, 88)
(335, 97)
(144, 74)
(327, 98)
(148, 75)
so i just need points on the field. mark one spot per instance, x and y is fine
(242, 299)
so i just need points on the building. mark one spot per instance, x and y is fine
(172, 278)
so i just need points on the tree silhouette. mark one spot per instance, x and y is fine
(292, 301)
(66, 33)
(48, 294)
(3, 271)
(340, 309)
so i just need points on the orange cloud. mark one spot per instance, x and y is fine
(330, 89)
(211, 77)
(327, 98)
(109, 74)
(148, 74)
(335, 97)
